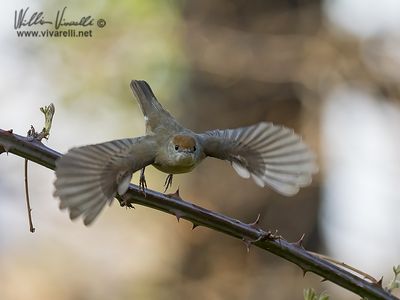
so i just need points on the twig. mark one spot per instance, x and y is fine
(48, 112)
(28, 205)
(37, 152)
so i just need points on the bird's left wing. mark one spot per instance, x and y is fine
(88, 177)
(272, 155)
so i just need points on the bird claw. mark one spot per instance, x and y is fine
(127, 205)
(123, 202)
(168, 182)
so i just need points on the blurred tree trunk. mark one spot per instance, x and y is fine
(242, 71)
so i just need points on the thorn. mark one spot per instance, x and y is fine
(379, 283)
(299, 243)
(194, 226)
(255, 223)
(304, 272)
(7, 148)
(247, 242)
(178, 214)
(175, 195)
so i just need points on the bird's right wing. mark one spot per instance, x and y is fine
(272, 155)
(88, 177)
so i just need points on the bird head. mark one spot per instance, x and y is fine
(184, 149)
(184, 144)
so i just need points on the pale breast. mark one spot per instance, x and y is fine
(174, 169)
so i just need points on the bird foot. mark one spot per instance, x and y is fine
(124, 202)
(142, 182)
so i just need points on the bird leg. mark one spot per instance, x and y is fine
(142, 182)
(168, 182)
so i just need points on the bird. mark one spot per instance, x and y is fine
(91, 176)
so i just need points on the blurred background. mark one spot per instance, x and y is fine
(329, 69)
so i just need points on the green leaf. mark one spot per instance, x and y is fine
(323, 296)
(48, 112)
(396, 270)
(309, 294)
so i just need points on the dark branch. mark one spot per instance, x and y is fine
(37, 152)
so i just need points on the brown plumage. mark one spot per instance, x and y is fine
(184, 141)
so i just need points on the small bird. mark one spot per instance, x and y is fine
(91, 176)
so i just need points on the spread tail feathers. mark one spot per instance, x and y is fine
(148, 102)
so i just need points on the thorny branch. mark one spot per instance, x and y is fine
(174, 205)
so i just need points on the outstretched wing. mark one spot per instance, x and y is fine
(272, 155)
(88, 177)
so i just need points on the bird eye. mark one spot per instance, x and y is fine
(194, 148)
(176, 147)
